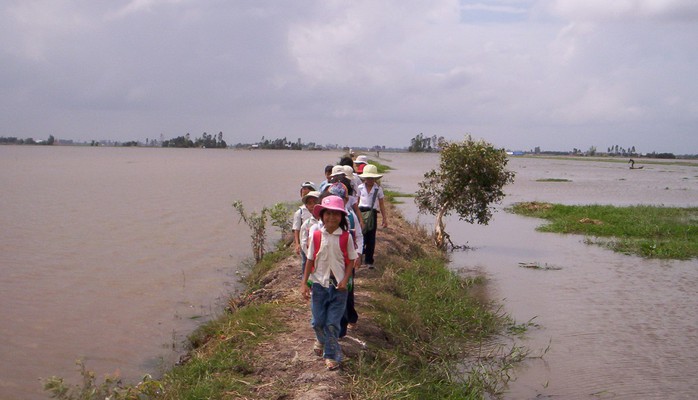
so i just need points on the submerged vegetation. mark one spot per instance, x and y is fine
(647, 231)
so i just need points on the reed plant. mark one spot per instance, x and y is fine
(647, 231)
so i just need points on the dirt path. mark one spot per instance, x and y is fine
(286, 365)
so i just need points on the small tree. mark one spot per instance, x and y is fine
(470, 178)
(281, 217)
(258, 224)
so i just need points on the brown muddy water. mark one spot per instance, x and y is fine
(114, 255)
(618, 326)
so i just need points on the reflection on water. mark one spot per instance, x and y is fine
(619, 326)
(114, 255)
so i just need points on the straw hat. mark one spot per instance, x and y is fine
(370, 171)
(329, 203)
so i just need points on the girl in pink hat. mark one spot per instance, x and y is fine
(331, 254)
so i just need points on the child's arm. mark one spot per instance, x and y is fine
(381, 205)
(305, 290)
(352, 255)
(297, 241)
(347, 274)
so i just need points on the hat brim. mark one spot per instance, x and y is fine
(370, 175)
(319, 207)
(314, 194)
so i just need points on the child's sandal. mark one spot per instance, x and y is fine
(317, 349)
(331, 364)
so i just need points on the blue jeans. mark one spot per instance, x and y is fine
(327, 306)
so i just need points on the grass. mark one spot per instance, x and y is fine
(392, 196)
(382, 168)
(220, 365)
(429, 320)
(268, 262)
(224, 365)
(621, 160)
(647, 231)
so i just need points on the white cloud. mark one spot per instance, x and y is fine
(372, 71)
(625, 10)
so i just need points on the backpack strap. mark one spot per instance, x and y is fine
(343, 243)
(317, 238)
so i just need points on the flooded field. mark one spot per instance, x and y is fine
(618, 326)
(114, 255)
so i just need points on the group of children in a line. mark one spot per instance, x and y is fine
(333, 228)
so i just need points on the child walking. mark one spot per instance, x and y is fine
(331, 254)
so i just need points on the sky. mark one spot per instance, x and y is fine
(520, 74)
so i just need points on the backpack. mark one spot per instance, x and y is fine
(343, 243)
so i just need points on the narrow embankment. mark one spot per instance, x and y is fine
(415, 321)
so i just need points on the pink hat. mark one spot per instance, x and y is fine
(331, 202)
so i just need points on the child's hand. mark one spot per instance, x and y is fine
(342, 286)
(305, 291)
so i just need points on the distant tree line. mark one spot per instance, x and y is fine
(13, 140)
(623, 152)
(282, 144)
(421, 144)
(206, 141)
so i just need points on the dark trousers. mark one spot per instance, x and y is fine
(350, 315)
(369, 244)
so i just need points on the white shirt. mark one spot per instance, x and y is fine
(305, 232)
(330, 258)
(367, 197)
(301, 214)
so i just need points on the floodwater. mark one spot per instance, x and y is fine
(114, 255)
(618, 326)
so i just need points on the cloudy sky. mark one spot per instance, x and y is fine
(559, 74)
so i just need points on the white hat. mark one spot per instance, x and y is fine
(349, 171)
(362, 159)
(338, 170)
(314, 193)
(309, 185)
(370, 171)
